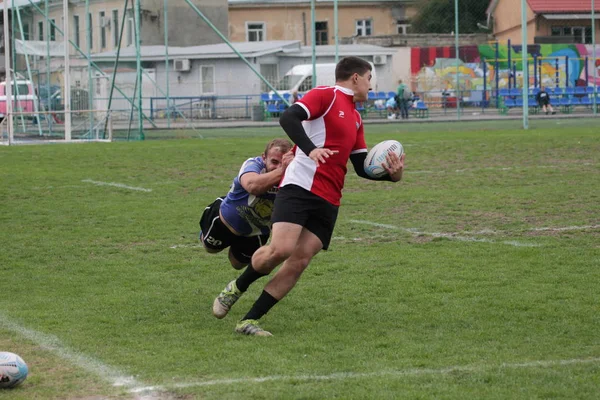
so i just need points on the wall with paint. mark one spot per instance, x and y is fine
(489, 66)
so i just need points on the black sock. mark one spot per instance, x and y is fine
(262, 306)
(247, 278)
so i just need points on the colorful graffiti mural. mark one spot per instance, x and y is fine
(492, 66)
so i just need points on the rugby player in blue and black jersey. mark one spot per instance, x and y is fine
(241, 220)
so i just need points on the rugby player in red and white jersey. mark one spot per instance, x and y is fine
(327, 131)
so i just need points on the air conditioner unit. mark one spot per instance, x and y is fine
(182, 65)
(379, 59)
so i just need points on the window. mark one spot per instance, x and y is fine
(90, 28)
(25, 32)
(41, 30)
(130, 29)
(587, 38)
(207, 77)
(20, 89)
(364, 27)
(580, 34)
(402, 26)
(102, 24)
(321, 33)
(255, 31)
(76, 37)
(115, 27)
(52, 30)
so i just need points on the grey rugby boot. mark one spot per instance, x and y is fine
(226, 299)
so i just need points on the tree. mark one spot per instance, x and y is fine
(437, 16)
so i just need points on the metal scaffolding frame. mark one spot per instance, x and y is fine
(135, 101)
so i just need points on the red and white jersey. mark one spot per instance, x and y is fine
(332, 123)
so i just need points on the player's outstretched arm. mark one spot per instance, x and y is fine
(258, 184)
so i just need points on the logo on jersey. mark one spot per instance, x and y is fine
(357, 126)
(341, 114)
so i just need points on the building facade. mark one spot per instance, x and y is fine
(260, 20)
(548, 21)
(100, 24)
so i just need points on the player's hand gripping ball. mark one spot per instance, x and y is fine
(376, 157)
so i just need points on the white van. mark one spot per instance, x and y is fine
(300, 78)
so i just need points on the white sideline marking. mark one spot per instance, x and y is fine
(543, 229)
(393, 373)
(119, 185)
(451, 236)
(55, 187)
(460, 171)
(53, 344)
(567, 228)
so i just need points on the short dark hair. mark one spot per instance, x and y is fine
(283, 144)
(349, 66)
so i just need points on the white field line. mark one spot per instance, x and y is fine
(119, 185)
(55, 187)
(542, 229)
(460, 171)
(185, 246)
(452, 236)
(391, 373)
(52, 343)
(567, 228)
(117, 378)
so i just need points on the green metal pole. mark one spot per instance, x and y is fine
(88, 29)
(35, 103)
(525, 62)
(456, 45)
(244, 59)
(114, 75)
(131, 111)
(49, 99)
(594, 54)
(90, 62)
(335, 29)
(14, 66)
(138, 59)
(167, 64)
(313, 33)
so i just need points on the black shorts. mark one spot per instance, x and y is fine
(215, 235)
(296, 205)
(544, 103)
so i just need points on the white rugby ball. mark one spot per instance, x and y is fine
(13, 370)
(376, 157)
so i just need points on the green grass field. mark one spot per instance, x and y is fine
(476, 277)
